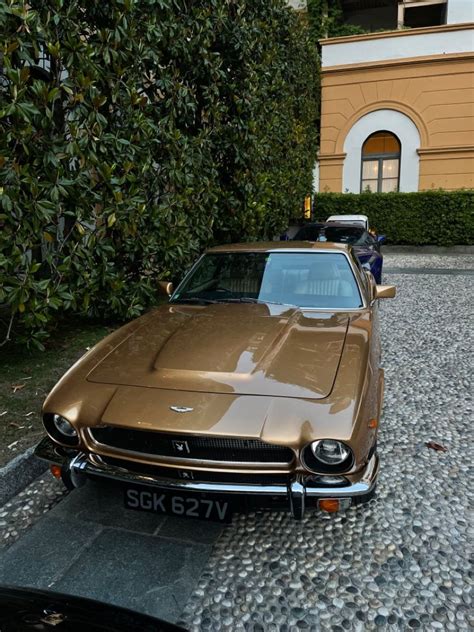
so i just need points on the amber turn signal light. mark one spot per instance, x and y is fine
(330, 505)
(56, 471)
(373, 423)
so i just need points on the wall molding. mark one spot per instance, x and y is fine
(395, 122)
(397, 106)
(434, 152)
(337, 158)
(391, 63)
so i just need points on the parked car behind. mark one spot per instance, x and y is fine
(365, 245)
(361, 220)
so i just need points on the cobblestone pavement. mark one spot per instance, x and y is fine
(429, 261)
(25, 509)
(402, 561)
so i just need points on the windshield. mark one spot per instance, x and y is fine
(353, 235)
(315, 280)
(359, 222)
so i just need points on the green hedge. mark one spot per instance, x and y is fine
(441, 218)
(160, 126)
(326, 19)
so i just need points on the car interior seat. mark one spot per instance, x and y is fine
(323, 280)
(245, 282)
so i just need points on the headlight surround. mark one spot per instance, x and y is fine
(327, 456)
(60, 429)
(326, 480)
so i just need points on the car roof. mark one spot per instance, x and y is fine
(290, 246)
(332, 225)
(348, 217)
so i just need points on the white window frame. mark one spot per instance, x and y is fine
(389, 121)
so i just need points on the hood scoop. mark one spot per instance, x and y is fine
(230, 348)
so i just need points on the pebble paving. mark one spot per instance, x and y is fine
(401, 562)
(27, 507)
(429, 261)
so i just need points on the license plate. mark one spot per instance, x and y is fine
(178, 504)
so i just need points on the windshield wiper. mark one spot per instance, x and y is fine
(195, 299)
(243, 299)
(249, 299)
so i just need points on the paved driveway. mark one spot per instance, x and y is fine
(400, 562)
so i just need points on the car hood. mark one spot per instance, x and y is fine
(240, 349)
(23, 609)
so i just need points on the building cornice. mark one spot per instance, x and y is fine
(426, 152)
(396, 105)
(434, 152)
(390, 63)
(400, 33)
(336, 158)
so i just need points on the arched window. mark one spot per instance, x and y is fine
(381, 163)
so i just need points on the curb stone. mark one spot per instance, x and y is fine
(19, 473)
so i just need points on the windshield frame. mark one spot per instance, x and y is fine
(174, 299)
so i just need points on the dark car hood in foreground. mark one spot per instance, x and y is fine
(23, 609)
(230, 348)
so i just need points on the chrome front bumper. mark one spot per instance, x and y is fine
(78, 466)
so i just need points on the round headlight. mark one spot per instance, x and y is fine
(64, 427)
(327, 456)
(60, 429)
(330, 452)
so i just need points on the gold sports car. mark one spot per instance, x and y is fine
(258, 383)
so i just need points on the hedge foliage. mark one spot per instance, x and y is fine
(441, 218)
(151, 129)
(326, 19)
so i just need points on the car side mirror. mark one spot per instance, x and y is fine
(165, 287)
(370, 280)
(381, 239)
(385, 291)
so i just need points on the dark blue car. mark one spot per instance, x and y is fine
(366, 246)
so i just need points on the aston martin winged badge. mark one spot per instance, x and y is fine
(181, 409)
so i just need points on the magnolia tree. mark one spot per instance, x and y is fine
(133, 134)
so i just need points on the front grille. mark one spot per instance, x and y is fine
(197, 475)
(192, 447)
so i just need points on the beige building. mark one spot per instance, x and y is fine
(397, 107)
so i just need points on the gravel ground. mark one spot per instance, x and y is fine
(402, 561)
(428, 261)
